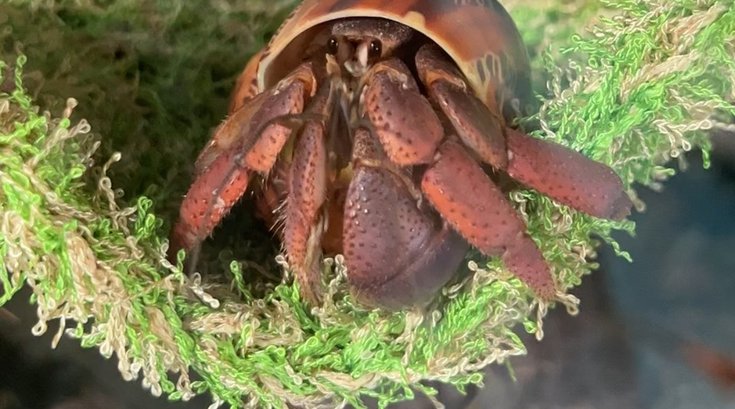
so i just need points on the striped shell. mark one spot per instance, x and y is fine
(478, 35)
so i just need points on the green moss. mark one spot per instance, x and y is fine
(86, 227)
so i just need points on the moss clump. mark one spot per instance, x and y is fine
(640, 88)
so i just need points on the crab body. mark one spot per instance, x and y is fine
(378, 129)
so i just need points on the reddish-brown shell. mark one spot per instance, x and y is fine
(478, 35)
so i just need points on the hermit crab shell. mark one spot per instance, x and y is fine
(478, 35)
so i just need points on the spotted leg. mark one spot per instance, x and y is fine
(567, 176)
(453, 183)
(552, 169)
(304, 219)
(469, 201)
(247, 142)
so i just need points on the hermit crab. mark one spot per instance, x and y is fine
(383, 130)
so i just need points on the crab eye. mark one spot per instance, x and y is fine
(332, 45)
(375, 49)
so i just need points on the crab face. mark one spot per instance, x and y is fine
(381, 135)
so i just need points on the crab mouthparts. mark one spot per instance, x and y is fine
(358, 64)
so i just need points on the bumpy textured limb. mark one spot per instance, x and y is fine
(253, 128)
(304, 222)
(567, 176)
(403, 119)
(247, 141)
(304, 218)
(468, 200)
(479, 128)
(397, 253)
(554, 170)
(208, 200)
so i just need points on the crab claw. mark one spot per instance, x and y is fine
(474, 206)
(567, 176)
(398, 254)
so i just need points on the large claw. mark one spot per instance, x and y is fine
(567, 176)
(466, 197)
(397, 253)
(397, 258)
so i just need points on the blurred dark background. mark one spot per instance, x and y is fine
(657, 333)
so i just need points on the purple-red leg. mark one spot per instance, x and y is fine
(304, 221)
(478, 127)
(247, 142)
(468, 200)
(209, 198)
(567, 176)
(554, 170)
